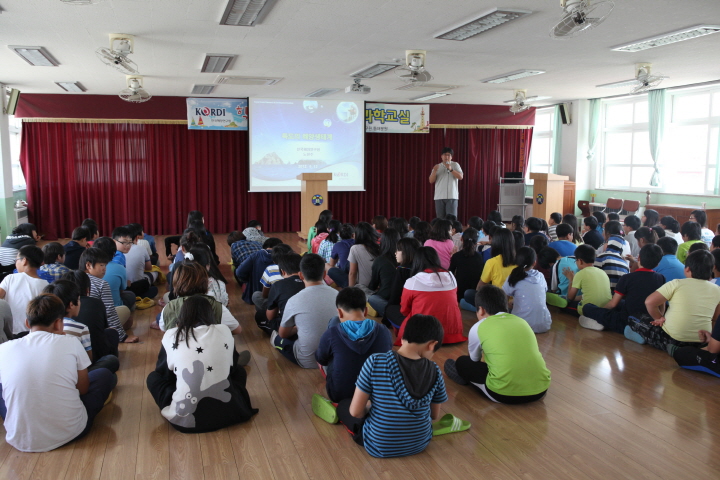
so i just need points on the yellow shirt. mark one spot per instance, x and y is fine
(494, 272)
(692, 305)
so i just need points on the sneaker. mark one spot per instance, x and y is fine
(243, 358)
(452, 373)
(555, 300)
(589, 323)
(273, 335)
(323, 408)
(631, 334)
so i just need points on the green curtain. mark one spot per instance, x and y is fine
(656, 115)
(594, 128)
(556, 139)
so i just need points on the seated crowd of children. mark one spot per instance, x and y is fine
(647, 278)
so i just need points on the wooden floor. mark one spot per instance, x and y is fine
(615, 409)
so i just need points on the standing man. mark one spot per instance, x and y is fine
(445, 176)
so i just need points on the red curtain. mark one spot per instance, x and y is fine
(154, 174)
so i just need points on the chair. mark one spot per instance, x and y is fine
(630, 207)
(584, 207)
(613, 205)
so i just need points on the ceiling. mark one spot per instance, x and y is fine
(313, 44)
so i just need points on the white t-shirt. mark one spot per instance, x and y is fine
(20, 288)
(39, 376)
(135, 263)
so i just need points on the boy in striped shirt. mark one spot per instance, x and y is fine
(405, 389)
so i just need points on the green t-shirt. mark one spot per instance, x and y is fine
(682, 251)
(595, 285)
(515, 365)
(692, 305)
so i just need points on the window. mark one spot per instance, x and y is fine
(542, 151)
(689, 154)
(18, 178)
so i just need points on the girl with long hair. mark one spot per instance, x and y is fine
(362, 255)
(441, 240)
(501, 263)
(404, 256)
(527, 286)
(383, 271)
(467, 264)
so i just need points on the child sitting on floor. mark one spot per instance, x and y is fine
(694, 303)
(528, 288)
(405, 389)
(48, 366)
(510, 372)
(280, 292)
(54, 256)
(344, 348)
(19, 288)
(593, 282)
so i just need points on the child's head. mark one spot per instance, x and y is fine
(107, 245)
(669, 245)
(650, 256)
(700, 265)
(487, 227)
(632, 222)
(412, 223)
(69, 293)
(651, 217)
(94, 261)
(195, 217)
(469, 241)
(28, 229)
(81, 235)
(351, 304)
(29, 258)
(698, 246)
(715, 243)
(234, 236)
(195, 311)
(612, 216)
(426, 258)
(347, 231)
(312, 268)
(584, 256)
(254, 224)
(271, 243)
(572, 220)
(190, 278)
(451, 217)
(519, 238)
(53, 252)
(590, 223)
(555, 218)
(136, 230)
(321, 227)
(422, 231)
(495, 216)
(564, 232)
(289, 264)
(517, 223)
(325, 216)
(716, 258)
(79, 278)
(691, 231)
(441, 231)
(659, 231)
(669, 223)
(424, 331)
(547, 257)
(534, 224)
(503, 243)
(476, 223)
(380, 223)
(490, 300)
(188, 240)
(388, 243)
(92, 226)
(600, 217)
(123, 239)
(399, 224)
(334, 230)
(406, 248)
(699, 216)
(538, 242)
(645, 236)
(525, 260)
(457, 227)
(278, 251)
(44, 310)
(613, 228)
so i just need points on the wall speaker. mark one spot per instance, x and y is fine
(13, 96)
(565, 113)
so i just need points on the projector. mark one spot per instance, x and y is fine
(356, 88)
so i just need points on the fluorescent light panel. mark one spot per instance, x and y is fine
(246, 13)
(321, 92)
(35, 56)
(216, 63)
(535, 98)
(623, 83)
(668, 38)
(375, 70)
(507, 77)
(202, 89)
(486, 21)
(429, 97)
(71, 86)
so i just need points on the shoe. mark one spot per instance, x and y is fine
(555, 300)
(589, 323)
(273, 335)
(452, 374)
(467, 306)
(323, 408)
(449, 423)
(243, 358)
(371, 311)
(108, 399)
(631, 334)
(144, 303)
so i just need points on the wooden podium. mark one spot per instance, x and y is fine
(312, 186)
(548, 194)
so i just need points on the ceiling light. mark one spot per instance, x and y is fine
(35, 56)
(507, 77)
(71, 86)
(486, 21)
(202, 89)
(668, 38)
(623, 83)
(321, 92)
(216, 62)
(375, 70)
(429, 97)
(536, 98)
(246, 13)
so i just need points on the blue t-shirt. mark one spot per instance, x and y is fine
(151, 240)
(116, 277)
(563, 247)
(397, 424)
(671, 268)
(340, 252)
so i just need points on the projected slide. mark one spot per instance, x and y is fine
(290, 137)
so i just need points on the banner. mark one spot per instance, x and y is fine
(386, 118)
(217, 113)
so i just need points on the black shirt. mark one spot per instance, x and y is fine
(635, 287)
(281, 291)
(92, 314)
(467, 271)
(594, 239)
(383, 274)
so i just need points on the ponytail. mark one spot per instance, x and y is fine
(525, 259)
(469, 238)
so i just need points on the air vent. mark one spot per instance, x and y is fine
(236, 80)
(322, 92)
(428, 87)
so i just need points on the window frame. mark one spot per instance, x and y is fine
(543, 134)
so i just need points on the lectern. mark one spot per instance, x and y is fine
(548, 193)
(313, 199)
